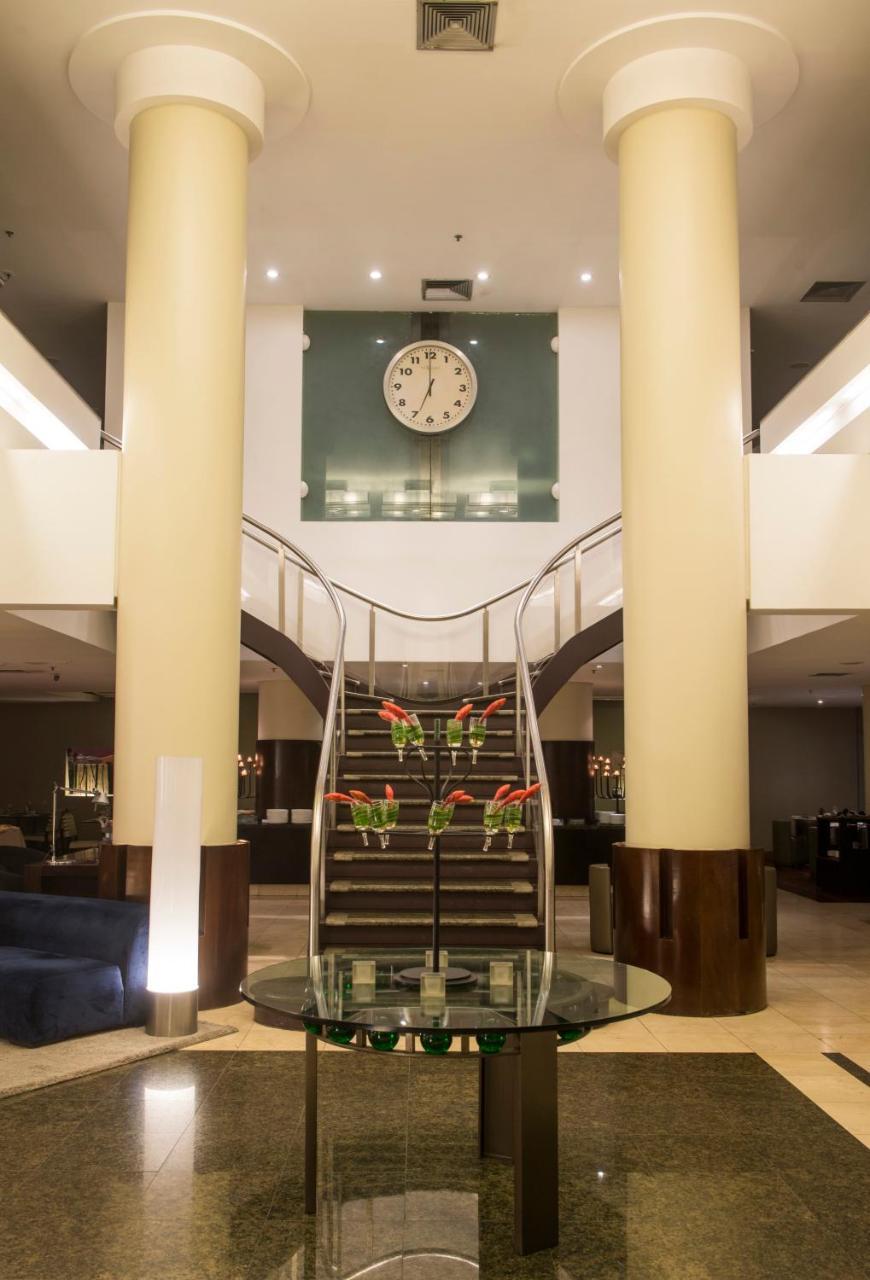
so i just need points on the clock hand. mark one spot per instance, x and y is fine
(427, 395)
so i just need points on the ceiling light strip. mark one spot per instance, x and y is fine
(33, 415)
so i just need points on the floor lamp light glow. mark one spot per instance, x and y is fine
(173, 939)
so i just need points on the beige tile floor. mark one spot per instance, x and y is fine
(818, 999)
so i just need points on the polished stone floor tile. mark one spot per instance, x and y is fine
(672, 1166)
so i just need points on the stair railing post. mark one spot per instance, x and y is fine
(282, 590)
(518, 743)
(372, 626)
(578, 595)
(343, 711)
(485, 672)
(557, 610)
(300, 608)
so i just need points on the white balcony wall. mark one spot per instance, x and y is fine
(809, 532)
(58, 529)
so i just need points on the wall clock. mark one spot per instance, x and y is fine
(430, 386)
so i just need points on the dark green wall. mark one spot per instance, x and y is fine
(349, 435)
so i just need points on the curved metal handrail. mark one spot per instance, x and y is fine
(610, 528)
(328, 745)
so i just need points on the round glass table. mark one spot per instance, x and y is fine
(513, 1009)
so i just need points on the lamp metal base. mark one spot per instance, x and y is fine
(172, 1013)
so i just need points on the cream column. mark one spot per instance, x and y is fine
(678, 94)
(177, 677)
(187, 92)
(682, 483)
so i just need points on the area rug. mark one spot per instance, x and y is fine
(24, 1069)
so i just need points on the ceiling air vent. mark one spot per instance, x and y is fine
(453, 25)
(830, 675)
(833, 290)
(447, 290)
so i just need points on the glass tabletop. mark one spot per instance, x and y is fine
(508, 990)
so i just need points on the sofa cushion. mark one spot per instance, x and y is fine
(100, 929)
(46, 997)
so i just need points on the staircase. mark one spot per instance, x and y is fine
(371, 897)
(380, 897)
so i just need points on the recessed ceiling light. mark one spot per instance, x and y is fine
(820, 701)
(585, 277)
(380, 341)
(473, 341)
(375, 274)
(272, 273)
(483, 275)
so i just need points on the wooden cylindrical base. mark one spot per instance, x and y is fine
(695, 916)
(125, 873)
(286, 774)
(571, 780)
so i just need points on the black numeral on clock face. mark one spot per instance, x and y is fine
(397, 386)
(430, 421)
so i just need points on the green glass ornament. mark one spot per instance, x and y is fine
(313, 1028)
(571, 1034)
(490, 1041)
(383, 1041)
(436, 1041)
(339, 1035)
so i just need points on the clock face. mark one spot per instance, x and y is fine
(430, 386)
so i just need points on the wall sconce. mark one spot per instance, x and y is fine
(173, 938)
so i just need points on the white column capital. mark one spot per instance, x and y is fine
(739, 66)
(139, 60)
(677, 77)
(168, 73)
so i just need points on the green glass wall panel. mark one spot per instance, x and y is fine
(360, 463)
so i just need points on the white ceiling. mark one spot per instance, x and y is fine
(43, 663)
(402, 150)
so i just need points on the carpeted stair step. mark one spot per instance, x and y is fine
(414, 928)
(386, 896)
(417, 865)
(413, 836)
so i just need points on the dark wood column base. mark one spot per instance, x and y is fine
(695, 916)
(125, 872)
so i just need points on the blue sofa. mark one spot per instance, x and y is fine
(70, 966)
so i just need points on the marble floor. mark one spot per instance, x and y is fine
(818, 990)
(676, 1166)
(718, 1149)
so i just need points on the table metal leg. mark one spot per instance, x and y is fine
(311, 1124)
(496, 1122)
(536, 1144)
(519, 1122)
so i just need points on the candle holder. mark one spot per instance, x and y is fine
(444, 796)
